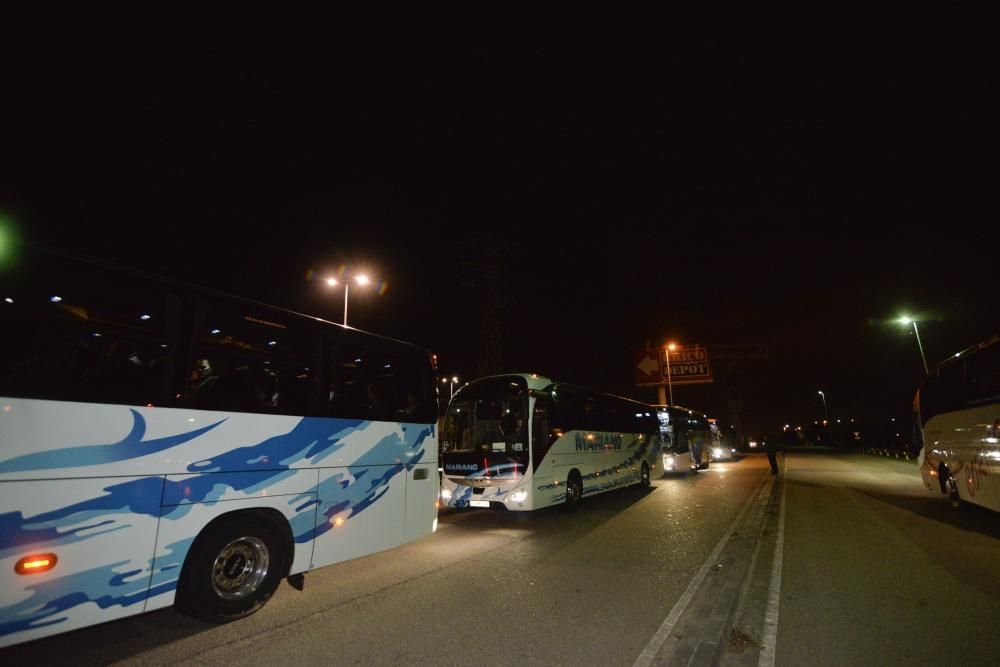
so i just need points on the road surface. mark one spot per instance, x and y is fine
(840, 559)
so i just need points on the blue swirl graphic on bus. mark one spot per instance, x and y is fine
(104, 586)
(246, 470)
(132, 446)
(94, 516)
(350, 491)
(312, 438)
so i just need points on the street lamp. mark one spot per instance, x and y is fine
(904, 320)
(826, 413)
(452, 382)
(360, 279)
(670, 347)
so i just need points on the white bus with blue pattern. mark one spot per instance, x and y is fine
(161, 444)
(522, 442)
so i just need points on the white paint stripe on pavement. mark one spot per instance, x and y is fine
(652, 648)
(768, 643)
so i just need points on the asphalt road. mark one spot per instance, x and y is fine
(841, 559)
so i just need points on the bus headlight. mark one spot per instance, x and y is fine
(445, 494)
(668, 462)
(519, 496)
(717, 452)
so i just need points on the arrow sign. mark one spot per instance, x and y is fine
(647, 368)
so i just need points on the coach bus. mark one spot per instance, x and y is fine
(687, 439)
(957, 422)
(523, 442)
(165, 444)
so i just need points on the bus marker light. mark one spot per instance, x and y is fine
(36, 563)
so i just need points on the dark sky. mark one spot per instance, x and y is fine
(708, 175)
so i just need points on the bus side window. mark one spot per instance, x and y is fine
(982, 381)
(251, 359)
(377, 382)
(78, 334)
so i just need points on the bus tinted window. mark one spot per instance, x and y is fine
(378, 381)
(250, 359)
(77, 334)
(983, 376)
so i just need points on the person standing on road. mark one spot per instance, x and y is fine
(772, 448)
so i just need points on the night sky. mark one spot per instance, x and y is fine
(710, 176)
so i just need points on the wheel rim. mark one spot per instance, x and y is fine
(240, 568)
(573, 491)
(645, 474)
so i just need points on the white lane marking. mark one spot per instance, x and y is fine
(653, 647)
(768, 643)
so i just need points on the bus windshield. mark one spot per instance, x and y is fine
(488, 417)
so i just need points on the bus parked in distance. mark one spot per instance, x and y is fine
(720, 449)
(957, 422)
(687, 438)
(524, 442)
(166, 444)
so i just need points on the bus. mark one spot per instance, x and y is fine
(957, 425)
(523, 442)
(687, 439)
(720, 449)
(165, 444)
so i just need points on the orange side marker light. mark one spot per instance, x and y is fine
(36, 563)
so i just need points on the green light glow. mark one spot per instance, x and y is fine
(8, 235)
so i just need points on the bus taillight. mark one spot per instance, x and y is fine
(36, 563)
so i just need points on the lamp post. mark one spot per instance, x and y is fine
(360, 279)
(826, 413)
(451, 381)
(667, 349)
(904, 320)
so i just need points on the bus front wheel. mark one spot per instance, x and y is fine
(644, 475)
(233, 568)
(574, 491)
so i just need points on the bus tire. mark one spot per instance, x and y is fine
(574, 492)
(644, 476)
(953, 496)
(233, 568)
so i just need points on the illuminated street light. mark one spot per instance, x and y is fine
(668, 348)
(360, 279)
(905, 320)
(826, 413)
(451, 381)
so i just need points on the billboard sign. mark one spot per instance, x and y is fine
(688, 365)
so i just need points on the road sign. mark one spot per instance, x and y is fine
(688, 365)
(647, 368)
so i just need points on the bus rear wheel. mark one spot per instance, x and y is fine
(644, 475)
(233, 568)
(574, 491)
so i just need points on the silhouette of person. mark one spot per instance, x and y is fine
(201, 381)
(772, 448)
